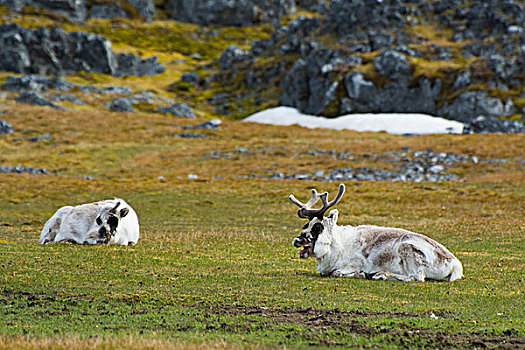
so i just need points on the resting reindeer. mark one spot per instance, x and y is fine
(380, 253)
(106, 222)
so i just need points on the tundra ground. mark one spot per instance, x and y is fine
(215, 268)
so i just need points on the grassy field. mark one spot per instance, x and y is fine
(215, 267)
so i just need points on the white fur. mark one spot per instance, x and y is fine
(78, 224)
(380, 252)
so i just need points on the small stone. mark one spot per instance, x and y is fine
(122, 105)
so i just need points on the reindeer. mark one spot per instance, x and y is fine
(373, 252)
(104, 222)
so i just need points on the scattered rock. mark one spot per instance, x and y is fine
(72, 10)
(107, 11)
(392, 65)
(122, 105)
(133, 65)
(5, 128)
(36, 99)
(33, 139)
(67, 98)
(503, 69)
(350, 17)
(144, 9)
(191, 78)
(190, 135)
(35, 83)
(209, 125)
(232, 55)
(115, 90)
(22, 170)
(417, 166)
(180, 110)
(480, 112)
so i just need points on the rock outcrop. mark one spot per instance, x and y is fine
(53, 52)
(80, 10)
(367, 56)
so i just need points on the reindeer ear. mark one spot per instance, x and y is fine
(333, 215)
(123, 212)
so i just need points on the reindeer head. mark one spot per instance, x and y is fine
(108, 219)
(317, 223)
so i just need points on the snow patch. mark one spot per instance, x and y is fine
(392, 123)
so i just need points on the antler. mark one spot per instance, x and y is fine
(306, 211)
(114, 209)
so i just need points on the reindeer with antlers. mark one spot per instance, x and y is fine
(105, 222)
(379, 253)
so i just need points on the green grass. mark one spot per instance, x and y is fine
(215, 266)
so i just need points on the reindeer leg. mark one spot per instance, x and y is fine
(348, 272)
(390, 276)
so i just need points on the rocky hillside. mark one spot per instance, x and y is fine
(458, 59)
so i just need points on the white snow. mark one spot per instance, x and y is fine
(392, 123)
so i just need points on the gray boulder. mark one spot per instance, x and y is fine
(481, 113)
(392, 65)
(349, 17)
(36, 99)
(291, 39)
(23, 170)
(105, 11)
(180, 110)
(473, 19)
(471, 104)
(314, 85)
(192, 78)
(311, 84)
(5, 128)
(35, 83)
(14, 55)
(72, 10)
(213, 124)
(232, 55)
(53, 52)
(133, 65)
(133, 8)
(145, 8)
(362, 94)
(397, 96)
(483, 125)
(503, 68)
(319, 6)
(122, 105)
(462, 81)
(240, 13)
